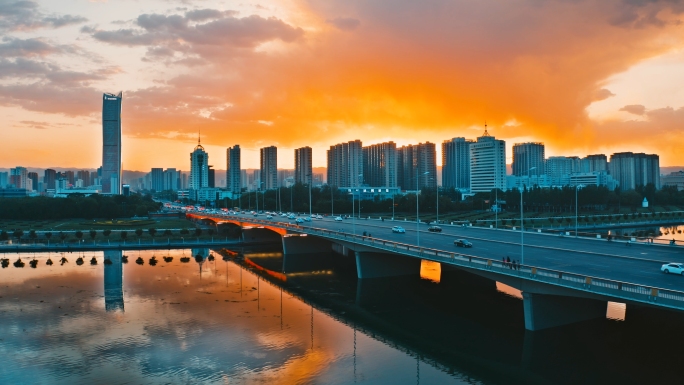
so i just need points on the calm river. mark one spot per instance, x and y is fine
(231, 322)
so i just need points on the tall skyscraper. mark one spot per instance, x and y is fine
(233, 171)
(456, 163)
(487, 164)
(199, 168)
(49, 178)
(527, 156)
(303, 169)
(70, 177)
(380, 165)
(345, 164)
(157, 175)
(111, 143)
(4, 179)
(269, 168)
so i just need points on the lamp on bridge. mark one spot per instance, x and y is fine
(417, 213)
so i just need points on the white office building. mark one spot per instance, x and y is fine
(487, 164)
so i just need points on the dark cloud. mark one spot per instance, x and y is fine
(636, 109)
(13, 47)
(175, 32)
(50, 98)
(24, 15)
(602, 94)
(344, 23)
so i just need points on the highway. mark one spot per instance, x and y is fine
(635, 263)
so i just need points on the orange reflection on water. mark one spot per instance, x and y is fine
(616, 311)
(430, 270)
(513, 292)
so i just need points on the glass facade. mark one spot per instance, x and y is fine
(111, 143)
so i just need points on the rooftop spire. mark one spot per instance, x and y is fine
(486, 133)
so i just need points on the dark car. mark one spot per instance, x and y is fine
(462, 243)
(435, 229)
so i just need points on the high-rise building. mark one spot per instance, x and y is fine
(212, 177)
(558, 167)
(380, 165)
(4, 179)
(233, 171)
(417, 166)
(157, 175)
(269, 168)
(33, 177)
(70, 177)
(345, 164)
(111, 143)
(171, 179)
(631, 170)
(49, 178)
(84, 175)
(487, 164)
(18, 177)
(199, 168)
(528, 159)
(303, 168)
(594, 163)
(456, 163)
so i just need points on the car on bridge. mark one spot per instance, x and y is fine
(338, 219)
(462, 243)
(269, 216)
(435, 229)
(308, 219)
(398, 229)
(299, 220)
(292, 216)
(674, 268)
(319, 217)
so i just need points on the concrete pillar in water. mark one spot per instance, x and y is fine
(544, 311)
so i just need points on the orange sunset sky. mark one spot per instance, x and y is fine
(583, 76)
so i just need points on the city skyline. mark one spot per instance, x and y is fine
(348, 71)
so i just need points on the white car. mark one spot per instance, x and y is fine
(292, 216)
(338, 219)
(299, 220)
(398, 229)
(674, 268)
(319, 217)
(269, 216)
(307, 219)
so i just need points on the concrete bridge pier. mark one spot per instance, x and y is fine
(259, 235)
(378, 265)
(543, 311)
(303, 252)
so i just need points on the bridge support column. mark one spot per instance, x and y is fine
(377, 265)
(306, 253)
(544, 311)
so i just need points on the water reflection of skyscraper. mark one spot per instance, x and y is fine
(113, 281)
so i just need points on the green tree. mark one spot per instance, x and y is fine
(18, 234)
(198, 232)
(123, 234)
(152, 231)
(63, 235)
(33, 235)
(107, 233)
(79, 234)
(4, 235)
(167, 232)
(139, 232)
(47, 235)
(185, 232)
(93, 234)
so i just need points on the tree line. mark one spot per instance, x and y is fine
(77, 206)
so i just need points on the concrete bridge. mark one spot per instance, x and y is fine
(563, 279)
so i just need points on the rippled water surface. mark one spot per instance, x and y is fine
(213, 322)
(238, 321)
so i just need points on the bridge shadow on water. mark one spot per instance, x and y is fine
(463, 324)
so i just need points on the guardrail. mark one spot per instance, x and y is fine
(595, 285)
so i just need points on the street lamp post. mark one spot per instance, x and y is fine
(417, 212)
(360, 196)
(332, 202)
(310, 183)
(576, 211)
(522, 230)
(353, 216)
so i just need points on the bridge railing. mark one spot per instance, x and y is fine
(595, 285)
